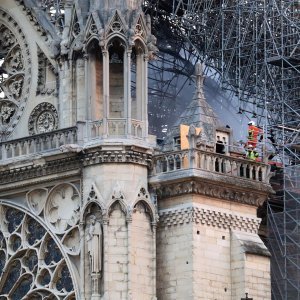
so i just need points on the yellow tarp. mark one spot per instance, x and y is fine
(184, 131)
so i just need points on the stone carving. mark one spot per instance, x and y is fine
(94, 243)
(62, 207)
(71, 241)
(6, 113)
(15, 86)
(208, 217)
(15, 73)
(36, 200)
(71, 148)
(55, 12)
(45, 122)
(46, 75)
(211, 190)
(138, 29)
(76, 26)
(69, 163)
(43, 118)
(117, 192)
(116, 25)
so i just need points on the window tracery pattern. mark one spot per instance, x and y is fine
(14, 73)
(43, 118)
(32, 265)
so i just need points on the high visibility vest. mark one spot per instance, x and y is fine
(253, 133)
(252, 155)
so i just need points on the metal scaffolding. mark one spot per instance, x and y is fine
(252, 48)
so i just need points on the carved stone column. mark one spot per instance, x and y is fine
(127, 99)
(105, 257)
(129, 237)
(153, 224)
(105, 91)
(82, 259)
(145, 96)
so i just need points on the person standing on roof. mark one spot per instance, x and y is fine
(253, 133)
(252, 153)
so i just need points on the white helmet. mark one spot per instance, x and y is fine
(255, 149)
(251, 123)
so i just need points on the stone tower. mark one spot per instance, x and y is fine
(81, 186)
(76, 216)
(207, 239)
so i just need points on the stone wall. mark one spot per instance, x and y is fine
(117, 254)
(175, 262)
(210, 252)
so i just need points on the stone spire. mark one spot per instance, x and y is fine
(199, 113)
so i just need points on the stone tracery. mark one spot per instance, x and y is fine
(43, 118)
(14, 73)
(31, 262)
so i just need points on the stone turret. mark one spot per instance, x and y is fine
(207, 240)
(79, 173)
(199, 113)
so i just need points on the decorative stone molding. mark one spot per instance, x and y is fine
(70, 162)
(62, 208)
(15, 73)
(143, 197)
(208, 217)
(117, 156)
(211, 190)
(43, 118)
(36, 200)
(45, 66)
(38, 171)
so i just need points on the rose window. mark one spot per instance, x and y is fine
(14, 73)
(32, 265)
(43, 118)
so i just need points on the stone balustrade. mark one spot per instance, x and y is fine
(37, 143)
(115, 127)
(80, 134)
(212, 162)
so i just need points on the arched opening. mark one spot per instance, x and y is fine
(95, 81)
(137, 78)
(116, 78)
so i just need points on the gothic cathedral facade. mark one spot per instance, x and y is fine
(90, 206)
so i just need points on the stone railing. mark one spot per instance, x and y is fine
(212, 162)
(37, 143)
(80, 134)
(114, 127)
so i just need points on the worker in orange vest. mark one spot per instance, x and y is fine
(253, 133)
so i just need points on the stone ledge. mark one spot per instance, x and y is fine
(198, 215)
(193, 184)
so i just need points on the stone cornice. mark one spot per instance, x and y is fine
(207, 217)
(59, 163)
(117, 156)
(38, 170)
(201, 186)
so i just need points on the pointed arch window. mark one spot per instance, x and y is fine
(116, 78)
(95, 81)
